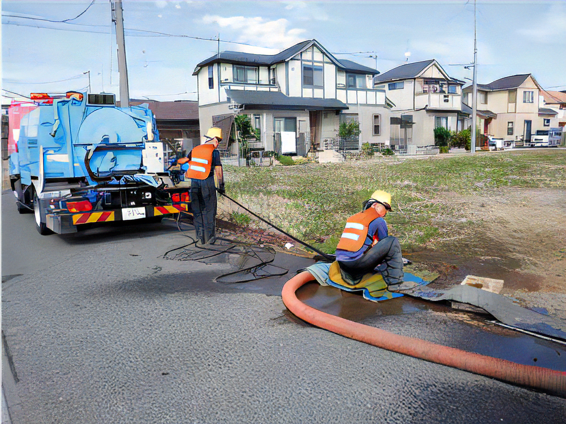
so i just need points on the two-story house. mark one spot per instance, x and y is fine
(510, 107)
(425, 97)
(556, 100)
(296, 98)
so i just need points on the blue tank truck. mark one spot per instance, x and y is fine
(78, 160)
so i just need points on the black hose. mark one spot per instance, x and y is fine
(324, 255)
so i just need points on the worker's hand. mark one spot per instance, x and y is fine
(221, 190)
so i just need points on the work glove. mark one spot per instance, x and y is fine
(221, 190)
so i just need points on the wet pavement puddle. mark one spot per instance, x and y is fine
(473, 334)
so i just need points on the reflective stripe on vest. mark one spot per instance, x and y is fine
(356, 230)
(201, 162)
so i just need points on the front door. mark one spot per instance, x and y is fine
(527, 132)
(314, 118)
(286, 135)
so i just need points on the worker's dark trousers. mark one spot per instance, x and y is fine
(386, 256)
(203, 205)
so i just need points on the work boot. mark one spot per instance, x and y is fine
(212, 240)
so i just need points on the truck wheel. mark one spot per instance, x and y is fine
(23, 202)
(39, 224)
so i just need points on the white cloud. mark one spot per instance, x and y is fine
(295, 5)
(161, 4)
(550, 27)
(271, 35)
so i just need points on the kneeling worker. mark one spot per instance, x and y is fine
(202, 168)
(366, 245)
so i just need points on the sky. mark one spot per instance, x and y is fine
(58, 46)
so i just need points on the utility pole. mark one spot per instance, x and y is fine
(118, 19)
(475, 87)
(88, 73)
(374, 56)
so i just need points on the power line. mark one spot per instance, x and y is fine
(13, 92)
(47, 82)
(155, 33)
(50, 20)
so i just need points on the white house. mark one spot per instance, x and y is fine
(512, 108)
(425, 97)
(296, 98)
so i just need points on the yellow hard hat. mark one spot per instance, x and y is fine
(214, 132)
(382, 197)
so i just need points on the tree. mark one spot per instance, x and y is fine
(349, 129)
(441, 136)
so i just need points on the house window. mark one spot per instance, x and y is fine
(546, 122)
(272, 79)
(441, 121)
(312, 76)
(257, 122)
(396, 85)
(356, 81)
(245, 74)
(528, 96)
(211, 76)
(510, 128)
(483, 97)
(376, 124)
(513, 96)
(431, 86)
(452, 89)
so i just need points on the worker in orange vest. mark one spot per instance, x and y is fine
(203, 166)
(366, 246)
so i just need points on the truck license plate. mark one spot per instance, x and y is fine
(133, 213)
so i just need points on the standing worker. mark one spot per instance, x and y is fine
(366, 245)
(203, 166)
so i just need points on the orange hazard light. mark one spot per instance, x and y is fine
(82, 206)
(39, 96)
(74, 95)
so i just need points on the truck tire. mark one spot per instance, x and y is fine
(40, 224)
(23, 202)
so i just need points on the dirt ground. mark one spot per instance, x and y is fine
(517, 235)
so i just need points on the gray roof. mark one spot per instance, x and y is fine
(547, 111)
(486, 113)
(505, 83)
(277, 100)
(466, 109)
(406, 71)
(240, 58)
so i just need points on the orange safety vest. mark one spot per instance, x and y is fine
(201, 162)
(356, 231)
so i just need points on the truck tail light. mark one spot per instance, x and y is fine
(185, 197)
(176, 197)
(82, 206)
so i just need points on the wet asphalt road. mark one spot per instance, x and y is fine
(100, 328)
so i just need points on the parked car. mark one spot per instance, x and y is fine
(495, 143)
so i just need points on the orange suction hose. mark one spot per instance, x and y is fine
(524, 375)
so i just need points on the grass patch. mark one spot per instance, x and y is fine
(313, 201)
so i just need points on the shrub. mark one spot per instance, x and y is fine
(240, 219)
(462, 139)
(349, 129)
(367, 149)
(387, 152)
(441, 136)
(285, 160)
(444, 149)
